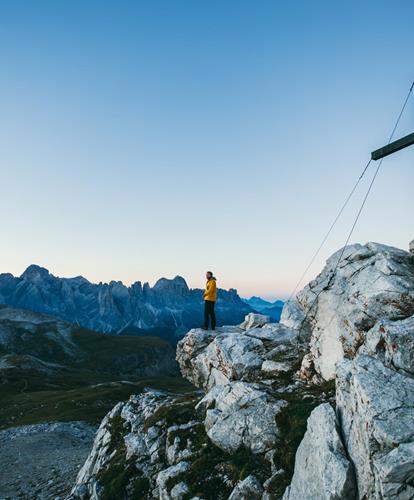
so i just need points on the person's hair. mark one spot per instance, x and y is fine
(210, 273)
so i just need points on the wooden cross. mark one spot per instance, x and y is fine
(393, 147)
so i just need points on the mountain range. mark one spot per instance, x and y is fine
(168, 309)
(272, 309)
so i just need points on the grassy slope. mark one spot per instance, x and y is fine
(86, 386)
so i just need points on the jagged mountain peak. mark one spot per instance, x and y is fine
(164, 283)
(34, 272)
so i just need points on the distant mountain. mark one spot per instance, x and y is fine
(169, 308)
(272, 309)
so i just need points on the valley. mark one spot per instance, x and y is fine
(52, 370)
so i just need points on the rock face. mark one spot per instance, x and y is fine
(168, 308)
(236, 437)
(373, 282)
(376, 410)
(322, 450)
(371, 338)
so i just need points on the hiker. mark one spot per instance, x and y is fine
(210, 301)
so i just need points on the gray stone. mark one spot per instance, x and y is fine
(322, 469)
(240, 414)
(394, 473)
(248, 489)
(208, 360)
(393, 343)
(375, 405)
(274, 367)
(165, 475)
(253, 320)
(372, 282)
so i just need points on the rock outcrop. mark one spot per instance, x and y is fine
(367, 344)
(237, 436)
(228, 442)
(322, 450)
(234, 353)
(373, 282)
(375, 405)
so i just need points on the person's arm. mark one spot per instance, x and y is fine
(207, 289)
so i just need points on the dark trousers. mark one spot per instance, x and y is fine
(209, 314)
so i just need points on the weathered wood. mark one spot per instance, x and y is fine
(395, 146)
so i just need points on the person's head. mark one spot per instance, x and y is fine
(209, 275)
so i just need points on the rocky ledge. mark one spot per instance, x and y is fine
(342, 355)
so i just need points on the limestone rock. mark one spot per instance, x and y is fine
(375, 405)
(240, 414)
(248, 489)
(179, 490)
(233, 353)
(134, 436)
(393, 343)
(293, 316)
(372, 282)
(274, 367)
(253, 320)
(322, 469)
(396, 471)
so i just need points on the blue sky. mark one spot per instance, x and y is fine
(148, 139)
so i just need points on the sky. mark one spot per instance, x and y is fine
(141, 139)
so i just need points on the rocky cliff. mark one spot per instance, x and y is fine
(168, 308)
(323, 400)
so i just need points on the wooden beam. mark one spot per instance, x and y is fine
(395, 146)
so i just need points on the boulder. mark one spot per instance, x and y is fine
(274, 368)
(293, 316)
(179, 490)
(375, 405)
(253, 320)
(322, 469)
(248, 489)
(241, 415)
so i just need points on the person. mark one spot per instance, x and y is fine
(210, 296)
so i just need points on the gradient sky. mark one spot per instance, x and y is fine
(148, 139)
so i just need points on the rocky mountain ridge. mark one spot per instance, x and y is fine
(319, 406)
(169, 308)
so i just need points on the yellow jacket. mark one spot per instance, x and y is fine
(210, 293)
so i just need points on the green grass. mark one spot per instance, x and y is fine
(88, 399)
(87, 384)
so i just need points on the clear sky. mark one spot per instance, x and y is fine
(148, 139)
